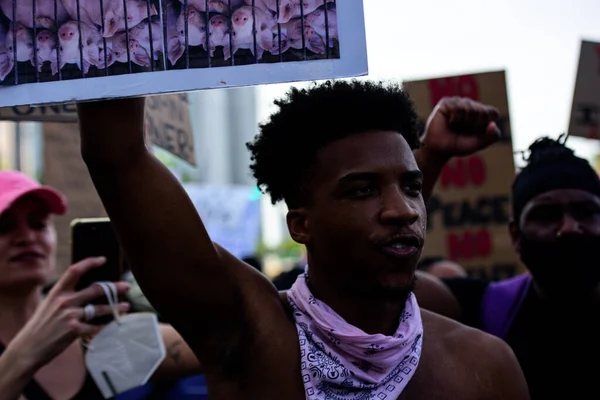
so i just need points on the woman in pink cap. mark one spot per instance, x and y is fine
(40, 356)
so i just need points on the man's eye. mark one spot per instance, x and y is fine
(362, 191)
(414, 187)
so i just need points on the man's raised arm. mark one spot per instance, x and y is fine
(194, 283)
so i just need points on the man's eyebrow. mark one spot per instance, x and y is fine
(414, 175)
(369, 176)
(357, 176)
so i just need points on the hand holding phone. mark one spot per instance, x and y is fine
(95, 237)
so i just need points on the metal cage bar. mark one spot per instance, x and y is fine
(127, 37)
(302, 29)
(103, 38)
(187, 39)
(230, 33)
(327, 50)
(207, 32)
(35, 57)
(165, 36)
(150, 36)
(80, 41)
(14, 32)
(279, 31)
(254, 31)
(59, 69)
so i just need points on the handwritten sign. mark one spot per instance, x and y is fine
(470, 209)
(585, 111)
(168, 124)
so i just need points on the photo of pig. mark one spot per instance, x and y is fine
(54, 40)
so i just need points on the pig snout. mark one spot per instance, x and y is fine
(217, 22)
(134, 45)
(66, 34)
(240, 20)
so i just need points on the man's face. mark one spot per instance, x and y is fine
(561, 212)
(366, 223)
(559, 236)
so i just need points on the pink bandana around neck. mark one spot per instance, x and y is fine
(341, 362)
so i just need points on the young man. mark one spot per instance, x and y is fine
(556, 231)
(350, 328)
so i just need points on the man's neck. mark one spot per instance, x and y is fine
(371, 314)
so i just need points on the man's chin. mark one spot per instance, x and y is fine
(393, 291)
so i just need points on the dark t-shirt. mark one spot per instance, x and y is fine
(557, 348)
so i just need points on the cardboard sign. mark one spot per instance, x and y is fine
(585, 111)
(85, 50)
(168, 124)
(65, 170)
(469, 210)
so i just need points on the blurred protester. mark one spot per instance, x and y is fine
(549, 315)
(286, 279)
(40, 356)
(354, 192)
(441, 267)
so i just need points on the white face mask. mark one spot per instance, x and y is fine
(126, 352)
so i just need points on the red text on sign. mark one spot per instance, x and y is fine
(469, 244)
(461, 86)
(462, 172)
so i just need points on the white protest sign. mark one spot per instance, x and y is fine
(585, 111)
(231, 215)
(89, 50)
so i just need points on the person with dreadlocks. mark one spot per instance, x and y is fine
(550, 314)
(349, 328)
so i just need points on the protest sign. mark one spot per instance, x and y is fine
(168, 124)
(56, 51)
(469, 210)
(231, 215)
(585, 111)
(65, 170)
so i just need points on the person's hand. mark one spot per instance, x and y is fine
(459, 126)
(61, 317)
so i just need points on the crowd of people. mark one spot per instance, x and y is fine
(365, 317)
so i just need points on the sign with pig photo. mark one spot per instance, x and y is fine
(54, 51)
(469, 210)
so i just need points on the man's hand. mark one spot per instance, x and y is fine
(459, 127)
(456, 127)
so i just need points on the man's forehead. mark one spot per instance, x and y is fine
(564, 197)
(369, 150)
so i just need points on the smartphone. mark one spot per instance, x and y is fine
(94, 237)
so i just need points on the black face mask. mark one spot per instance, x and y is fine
(567, 266)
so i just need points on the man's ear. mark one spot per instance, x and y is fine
(298, 225)
(515, 235)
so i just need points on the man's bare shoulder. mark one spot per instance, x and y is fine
(474, 357)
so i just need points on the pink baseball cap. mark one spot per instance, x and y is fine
(14, 185)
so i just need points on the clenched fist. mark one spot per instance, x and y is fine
(460, 126)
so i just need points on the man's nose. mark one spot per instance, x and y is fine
(396, 208)
(569, 226)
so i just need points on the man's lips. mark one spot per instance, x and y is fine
(403, 247)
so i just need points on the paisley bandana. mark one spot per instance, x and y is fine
(341, 362)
